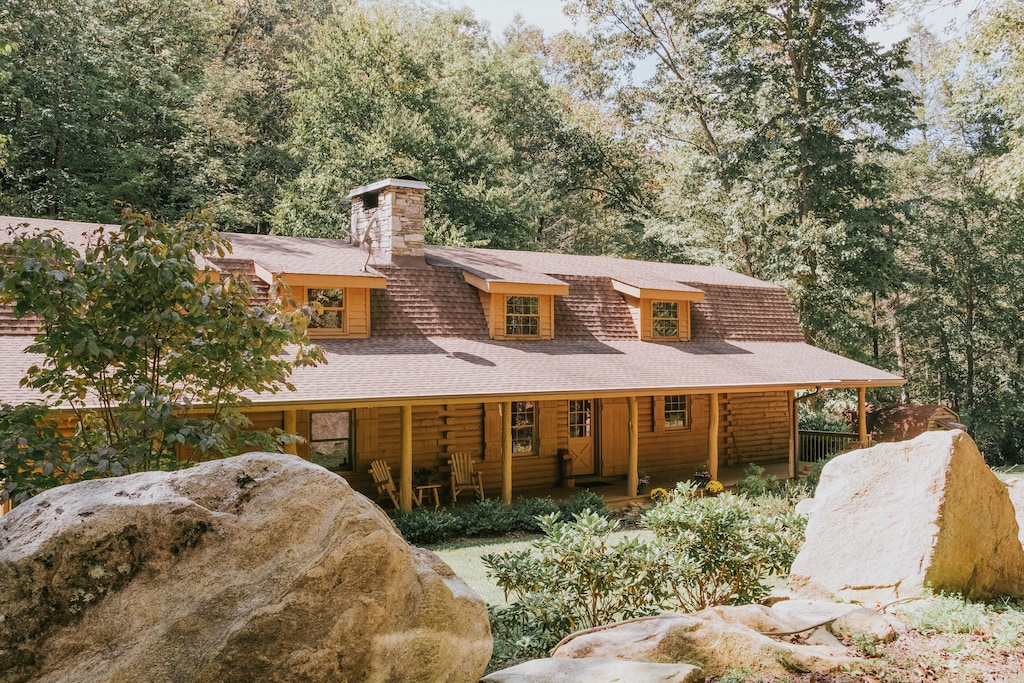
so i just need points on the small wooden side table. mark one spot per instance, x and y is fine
(429, 488)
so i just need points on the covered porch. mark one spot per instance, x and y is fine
(504, 468)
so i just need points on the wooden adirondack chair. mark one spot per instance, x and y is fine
(381, 473)
(463, 476)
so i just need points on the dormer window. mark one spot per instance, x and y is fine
(665, 319)
(332, 305)
(660, 309)
(522, 316)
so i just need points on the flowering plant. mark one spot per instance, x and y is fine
(659, 495)
(644, 480)
(715, 486)
(702, 477)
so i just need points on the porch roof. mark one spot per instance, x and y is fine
(454, 370)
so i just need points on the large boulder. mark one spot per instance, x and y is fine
(259, 567)
(891, 521)
(706, 640)
(1016, 490)
(587, 670)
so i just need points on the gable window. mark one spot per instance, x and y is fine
(330, 440)
(677, 411)
(522, 316)
(332, 302)
(524, 420)
(665, 319)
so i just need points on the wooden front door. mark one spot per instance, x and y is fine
(582, 445)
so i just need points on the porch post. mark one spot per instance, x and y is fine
(506, 452)
(713, 435)
(405, 478)
(862, 416)
(794, 435)
(632, 476)
(291, 427)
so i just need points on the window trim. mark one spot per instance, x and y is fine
(686, 410)
(351, 438)
(536, 317)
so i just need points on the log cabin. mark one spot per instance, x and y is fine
(539, 365)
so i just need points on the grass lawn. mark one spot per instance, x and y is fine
(464, 559)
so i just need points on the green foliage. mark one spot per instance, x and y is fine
(772, 132)
(574, 578)
(949, 613)
(705, 551)
(583, 501)
(378, 94)
(722, 549)
(756, 481)
(489, 517)
(422, 526)
(150, 353)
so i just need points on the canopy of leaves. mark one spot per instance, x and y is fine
(391, 89)
(148, 352)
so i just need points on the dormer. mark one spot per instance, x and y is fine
(520, 308)
(660, 309)
(324, 274)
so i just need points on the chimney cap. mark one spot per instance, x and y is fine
(404, 181)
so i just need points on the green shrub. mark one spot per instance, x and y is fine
(757, 482)
(722, 549)
(705, 551)
(488, 518)
(422, 526)
(584, 500)
(574, 578)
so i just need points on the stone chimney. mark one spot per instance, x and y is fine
(387, 218)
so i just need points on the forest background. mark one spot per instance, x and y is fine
(880, 186)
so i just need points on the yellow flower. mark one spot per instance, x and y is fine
(659, 495)
(714, 486)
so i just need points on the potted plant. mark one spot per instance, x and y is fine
(641, 483)
(702, 477)
(423, 476)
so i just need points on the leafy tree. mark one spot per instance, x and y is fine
(150, 353)
(93, 101)
(771, 114)
(392, 89)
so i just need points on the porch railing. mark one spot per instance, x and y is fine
(815, 446)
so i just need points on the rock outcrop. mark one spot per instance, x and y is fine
(892, 520)
(589, 670)
(260, 567)
(709, 640)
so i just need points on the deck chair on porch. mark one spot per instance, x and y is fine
(463, 476)
(381, 473)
